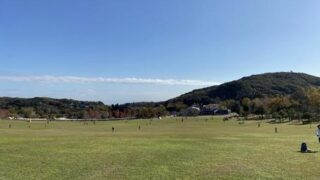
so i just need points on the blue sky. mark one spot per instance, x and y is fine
(100, 43)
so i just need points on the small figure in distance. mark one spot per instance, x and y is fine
(139, 127)
(318, 133)
(304, 149)
(113, 129)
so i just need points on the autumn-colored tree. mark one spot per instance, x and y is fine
(4, 113)
(313, 95)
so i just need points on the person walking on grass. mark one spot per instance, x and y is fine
(318, 133)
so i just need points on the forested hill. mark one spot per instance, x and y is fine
(41, 107)
(258, 94)
(256, 86)
(49, 108)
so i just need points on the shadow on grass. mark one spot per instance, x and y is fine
(309, 152)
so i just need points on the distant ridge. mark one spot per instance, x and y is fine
(255, 86)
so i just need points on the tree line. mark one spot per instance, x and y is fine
(302, 104)
(48, 108)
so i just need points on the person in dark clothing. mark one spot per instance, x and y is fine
(318, 133)
(304, 149)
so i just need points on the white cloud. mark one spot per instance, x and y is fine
(75, 79)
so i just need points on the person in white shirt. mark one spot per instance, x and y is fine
(318, 133)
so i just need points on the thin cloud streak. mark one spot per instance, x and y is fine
(75, 79)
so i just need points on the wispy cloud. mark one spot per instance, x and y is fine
(75, 79)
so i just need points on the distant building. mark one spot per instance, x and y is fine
(214, 109)
(210, 109)
(61, 119)
(191, 111)
(196, 108)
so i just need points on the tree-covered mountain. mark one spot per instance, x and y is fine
(256, 86)
(284, 94)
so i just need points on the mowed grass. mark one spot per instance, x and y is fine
(198, 148)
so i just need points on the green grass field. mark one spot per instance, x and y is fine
(199, 148)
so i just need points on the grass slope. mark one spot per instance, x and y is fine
(199, 148)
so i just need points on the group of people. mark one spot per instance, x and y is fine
(304, 147)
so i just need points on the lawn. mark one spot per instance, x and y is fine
(198, 148)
